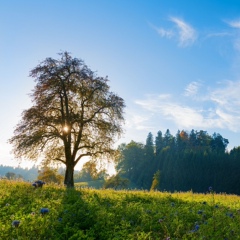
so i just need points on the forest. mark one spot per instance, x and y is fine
(187, 161)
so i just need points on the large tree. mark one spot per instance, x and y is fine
(74, 115)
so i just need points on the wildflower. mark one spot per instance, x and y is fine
(210, 189)
(230, 215)
(200, 212)
(197, 227)
(15, 223)
(32, 213)
(44, 210)
(160, 220)
(204, 203)
(7, 204)
(172, 204)
(38, 183)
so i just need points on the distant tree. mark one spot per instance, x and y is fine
(116, 182)
(50, 175)
(74, 115)
(159, 143)
(192, 139)
(218, 143)
(149, 147)
(90, 172)
(24, 173)
(148, 163)
(181, 140)
(83, 176)
(168, 139)
(203, 140)
(130, 162)
(156, 181)
(10, 175)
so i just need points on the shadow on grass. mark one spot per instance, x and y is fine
(69, 216)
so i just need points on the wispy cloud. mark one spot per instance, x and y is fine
(165, 33)
(234, 23)
(224, 112)
(183, 116)
(137, 121)
(187, 34)
(227, 101)
(192, 89)
(218, 34)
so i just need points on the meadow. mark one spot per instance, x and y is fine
(54, 212)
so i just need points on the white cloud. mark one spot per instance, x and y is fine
(192, 89)
(218, 34)
(236, 39)
(236, 43)
(227, 98)
(234, 23)
(136, 120)
(224, 112)
(187, 34)
(181, 115)
(165, 33)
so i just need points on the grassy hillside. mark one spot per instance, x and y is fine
(107, 214)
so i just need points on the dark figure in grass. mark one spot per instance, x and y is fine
(38, 183)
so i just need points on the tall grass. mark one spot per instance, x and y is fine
(108, 214)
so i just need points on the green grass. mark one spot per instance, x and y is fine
(97, 184)
(107, 214)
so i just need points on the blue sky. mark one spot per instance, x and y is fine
(176, 63)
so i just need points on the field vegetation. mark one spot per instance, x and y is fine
(54, 212)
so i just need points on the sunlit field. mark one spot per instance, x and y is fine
(53, 212)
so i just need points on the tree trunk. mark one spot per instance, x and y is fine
(68, 180)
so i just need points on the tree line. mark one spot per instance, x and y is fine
(187, 161)
(27, 174)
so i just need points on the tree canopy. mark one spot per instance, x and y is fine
(74, 115)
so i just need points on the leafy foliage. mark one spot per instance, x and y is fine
(116, 182)
(50, 175)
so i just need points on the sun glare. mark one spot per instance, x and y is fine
(65, 128)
